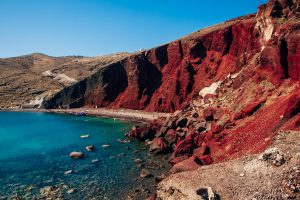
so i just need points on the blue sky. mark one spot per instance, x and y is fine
(97, 27)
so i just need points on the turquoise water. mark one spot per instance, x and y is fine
(34, 153)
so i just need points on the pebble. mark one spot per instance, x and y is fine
(242, 174)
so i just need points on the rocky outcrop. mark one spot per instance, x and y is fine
(250, 177)
(231, 87)
(237, 108)
(167, 77)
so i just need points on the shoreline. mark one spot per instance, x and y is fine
(122, 114)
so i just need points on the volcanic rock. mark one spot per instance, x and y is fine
(76, 154)
(144, 173)
(170, 136)
(90, 148)
(273, 156)
(158, 145)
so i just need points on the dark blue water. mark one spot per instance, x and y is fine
(34, 150)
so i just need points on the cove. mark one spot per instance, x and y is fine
(35, 150)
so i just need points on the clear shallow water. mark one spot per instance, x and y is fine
(34, 153)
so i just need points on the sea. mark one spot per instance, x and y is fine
(35, 162)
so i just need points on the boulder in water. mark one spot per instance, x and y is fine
(76, 154)
(90, 148)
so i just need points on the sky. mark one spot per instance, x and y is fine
(99, 27)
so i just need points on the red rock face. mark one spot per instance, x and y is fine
(256, 59)
(166, 78)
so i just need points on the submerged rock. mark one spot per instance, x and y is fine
(145, 173)
(76, 154)
(105, 145)
(90, 148)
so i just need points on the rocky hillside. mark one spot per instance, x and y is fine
(168, 77)
(232, 87)
(27, 80)
(248, 99)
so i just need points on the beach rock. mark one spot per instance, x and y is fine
(105, 145)
(185, 165)
(202, 150)
(273, 156)
(159, 178)
(90, 148)
(76, 154)
(185, 147)
(142, 133)
(158, 145)
(178, 159)
(145, 173)
(170, 136)
(203, 160)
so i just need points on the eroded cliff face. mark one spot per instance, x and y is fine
(251, 94)
(168, 77)
(236, 84)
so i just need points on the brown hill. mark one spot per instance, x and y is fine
(32, 78)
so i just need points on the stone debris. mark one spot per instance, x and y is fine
(273, 156)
